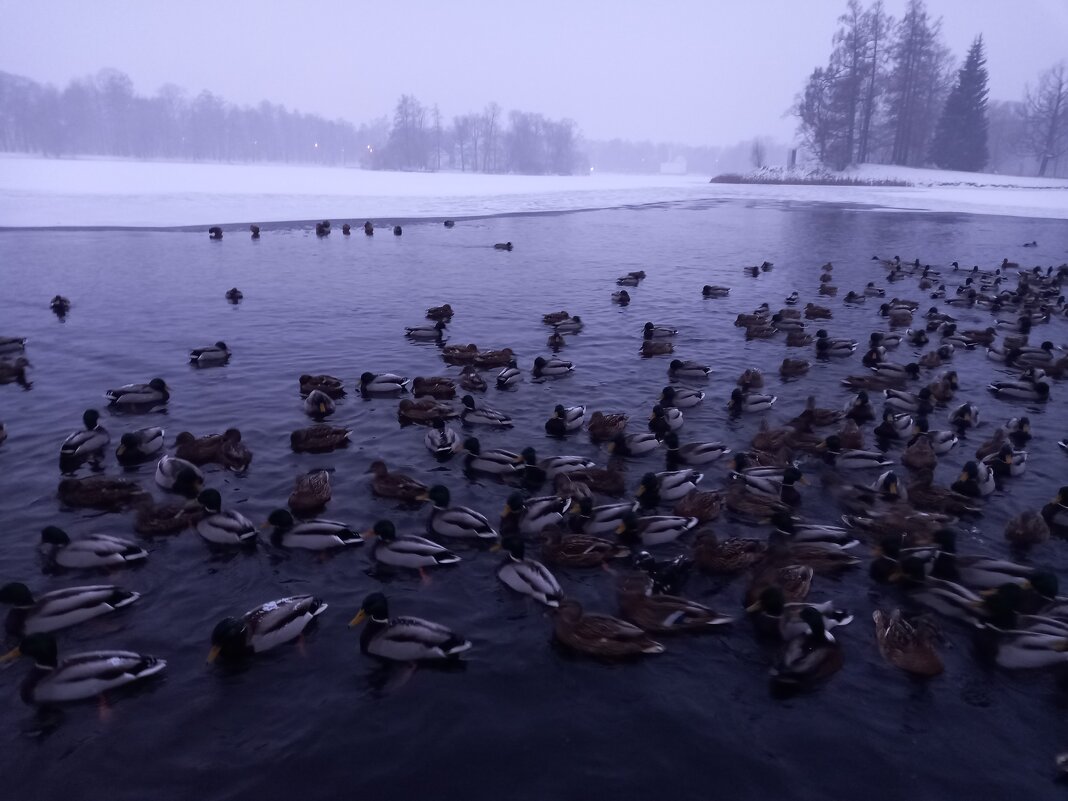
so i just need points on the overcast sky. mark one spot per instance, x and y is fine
(695, 71)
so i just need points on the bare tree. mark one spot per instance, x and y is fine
(491, 135)
(461, 136)
(435, 115)
(758, 153)
(1046, 117)
(877, 25)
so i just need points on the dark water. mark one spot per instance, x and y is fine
(522, 720)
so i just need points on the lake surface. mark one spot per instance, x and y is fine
(521, 719)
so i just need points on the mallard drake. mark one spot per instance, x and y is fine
(311, 492)
(809, 658)
(408, 550)
(728, 556)
(1027, 529)
(80, 676)
(1055, 513)
(59, 305)
(88, 443)
(223, 527)
(386, 484)
(443, 312)
(942, 442)
(265, 627)
(793, 581)
(900, 400)
(404, 639)
(234, 295)
(578, 550)
(216, 354)
(898, 373)
(481, 414)
(179, 476)
(161, 519)
(670, 485)
(772, 615)
(693, 453)
(712, 291)
(779, 488)
(894, 425)
(312, 535)
(553, 318)
(658, 612)
(424, 411)
(664, 419)
(859, 408)
(9, 345)
(789, 528)
(782, 323)
(99, 492)
(552, 466)
(528, 576)
(153, 393)
(749, 402)
(319, 439)
(441, 440)
(603, 519)
(679, 368)
(793, 367)
(565, 419)
(1037, 390)
(637, 444)
(976, 480)
(571, 325)
(436, 386)
(15, 372)
(680, 397)
(92, 551)
(964, 417)
(496, 462)
(622, 297)
(853, 459)
(890, 486)
(650, 331)
(551, 368)
(605, 427)
(427, 333)
(139, 446)
(652, 530)
(531, 515)
(318, 404)
(1017, 650)
(919, 455)
(651, 347)
(1007, 462)
(471, 380)
(60, 608)
(825, 346)
(600, 635)
(488, 359)
(458, 522)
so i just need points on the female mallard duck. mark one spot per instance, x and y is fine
(169, 518)
(471, 380)
(793, 581)
(553, 318)
(319, 439)
(853, 459)
(809, 658)
(850, 436)
(976, 480)
(436, 386)
(731, 555)
(705, 506)
(139, 446)
(652, 347)
(749, 402)
(637, 444)
(496, 461)
(318, 404)
(604, 480)
(404, 639)
(565, 419)
(441, 440)
(198, 450)
(179, 476)
(92, 551)
(550, 367)
(919, 455)
(553, 466)
(652, 530)
(751, 378)
(662, 613)
(603, 519)
(424, 411)
(15, 372)
(99, 492)
(153, 393)
(1027, 529)
(693, 453)
(486, 359)
(578, 550)
(669, 485)
(408, 550)
(600, 635)
(426, 333)
(664, 419)
(88, 443)
(480, 414)
(223, 527)
(210, 355)
(265, 627)
(327, 384)
(814, 312)
(457, 522)
(798, 339)
(814, 416)
(622, 297)
(311, 492)
(531, 515)
(233, 453)
(791, 368)
(679, 368)
(60, 608)
(749, 506)
(59, 305)
(312, 535)
(1018, 430)
(528, 576)
(606, 427)
(681, 397)
(443, 312)
(79, 676)
(906, 646)
(460, 354)
(773, 616)
(234, 295)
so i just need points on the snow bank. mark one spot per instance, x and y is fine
(101, 192)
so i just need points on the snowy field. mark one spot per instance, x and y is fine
(38, 192)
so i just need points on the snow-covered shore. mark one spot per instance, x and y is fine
(37, 192)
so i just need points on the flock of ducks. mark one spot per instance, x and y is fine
(567, 513)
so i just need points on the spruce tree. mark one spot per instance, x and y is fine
(960, 140)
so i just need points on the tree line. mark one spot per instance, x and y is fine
(890, 94)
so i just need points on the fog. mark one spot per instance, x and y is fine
(695, 72)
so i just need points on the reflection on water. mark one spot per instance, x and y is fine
(522, 719)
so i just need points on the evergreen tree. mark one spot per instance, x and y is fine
(960, 141)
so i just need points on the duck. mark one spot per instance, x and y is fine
(312, 535)
(606, 480)
(713, 291)
(60, 609)
(651, 331)
(666, 576)
(1022, 390)
(556, 340)
(565, 419)
(791, 368)
(387, 484)
(508, 377)
(777, 487)
(652, 347)
(92, 551)
(661, 612)
(793, 581)
(571, 325)
(905, 646)
(809, 658)
(219, 353)
(162, 519)
(99, 492)
(233, 454)
(670, 485)
(552, 466)
(552, 318)
(441, 440)
(825, 346)
(234, 295)
(893, 425)
(221, 527)
(622, 297)
(1018, 650)
(750, 402)
(680, 397)
(665, 419)
(265, 627)
(142, 445)
(599, 635)
(899, 373)
(496, 461)
(404, 639)
(731, 555)
(153, 393)
(551, 368)
(318, 404)
(59, 305)
(179, 476)
(688, 369)
(407, 551)
(471, 380)
(814, 312)
(814, 416)
(15, 372)
(443, 312)
(480, 414)
(319, 439)
(693, 453)
(424, 412)
(437, 387)
(859, 408)
(900, 400)
(311, 492)
(850, 436)
(1007, 462)
(1055, 513)
(772, 615)
(792, 530)
(652, 530)
(426, 333)
(9, 345)
(531, 515)
(919, 455)
(88, 443)
(1027, 529)
(976, 480)
(853, 459)
(460, 354)
(528, 576)
(637, 444)
(382, 384)
(488, 359)
(578, 550)
(602, 519)
(80, 676)
(456, 522)
(326, 384)
(964, 417)
(198, 450)
(942, 442)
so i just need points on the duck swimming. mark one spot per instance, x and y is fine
(265, 627)
(404, 639)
